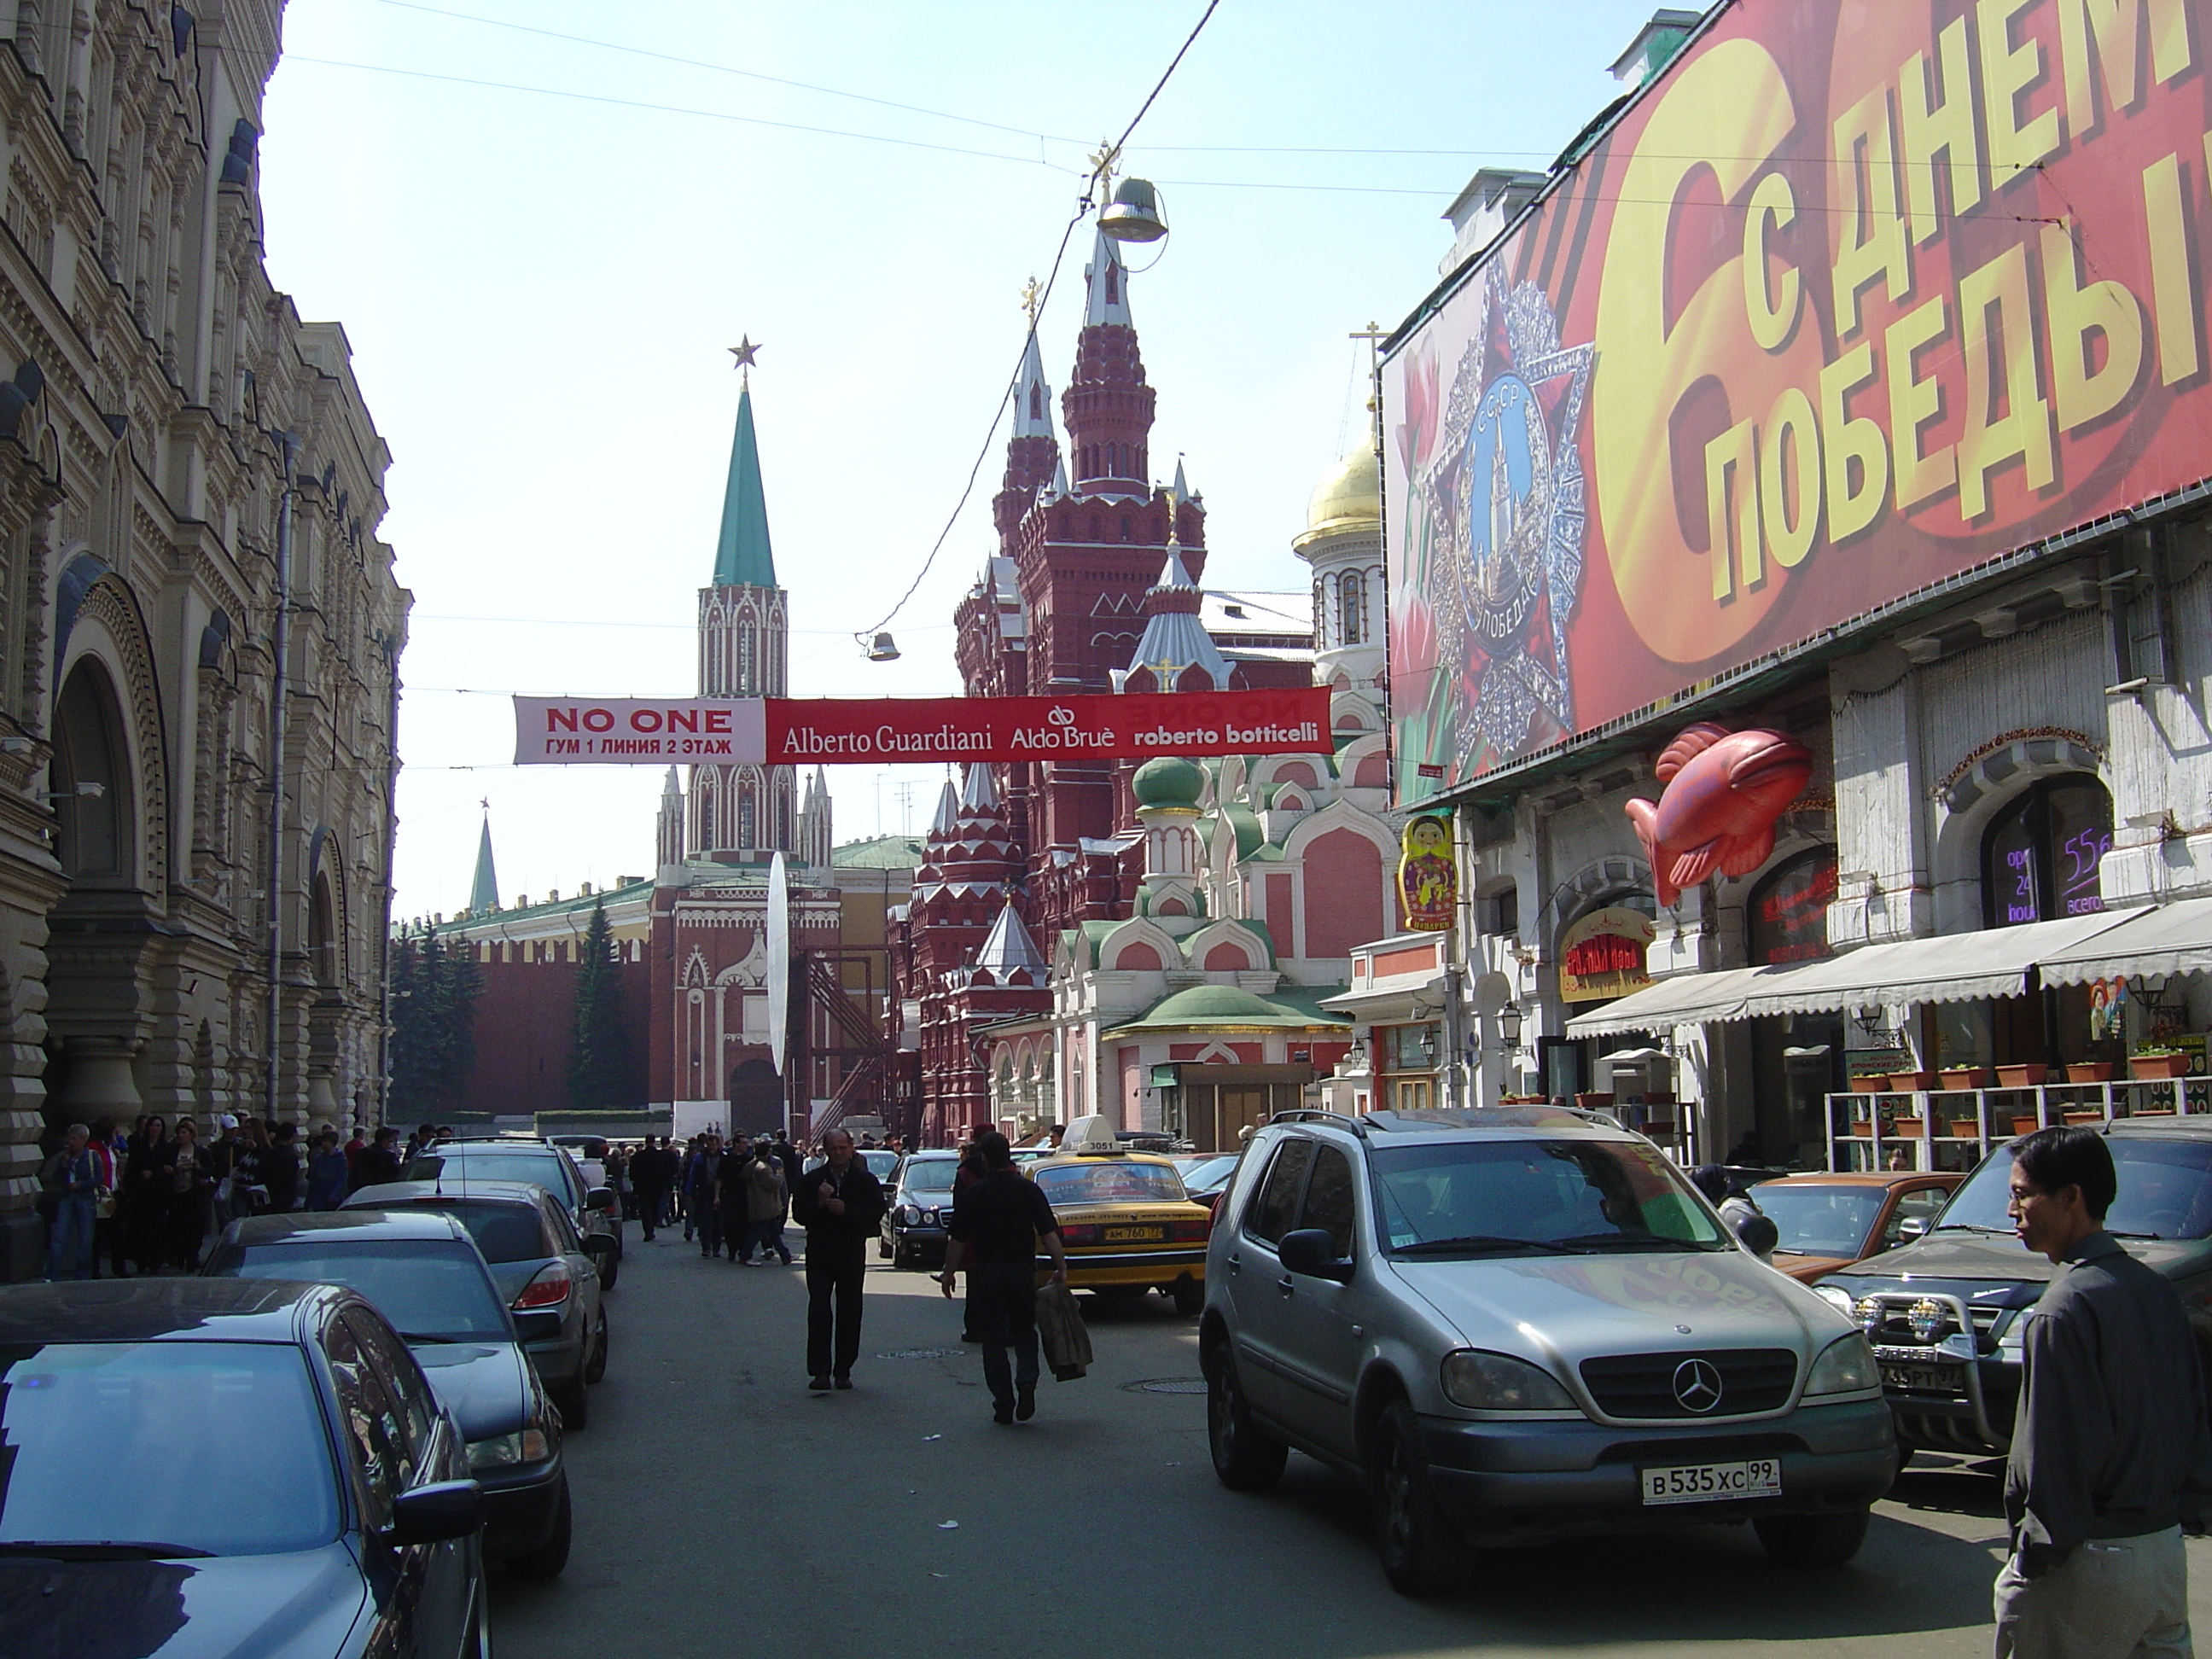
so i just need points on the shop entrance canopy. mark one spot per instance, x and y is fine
(2174, 938)
(1956, 968)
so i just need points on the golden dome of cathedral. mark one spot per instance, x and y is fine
(1350, 493)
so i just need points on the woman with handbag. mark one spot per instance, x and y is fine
(189, 1187)
(148, 1170)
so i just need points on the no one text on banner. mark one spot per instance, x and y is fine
(791, 731)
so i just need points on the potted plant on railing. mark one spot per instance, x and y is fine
(2091, 1070)
(2023, 1077)
(1906, 1083)
(1908, 1126)
(2155, 1060)
(1869, 1080)
(1966, 1076)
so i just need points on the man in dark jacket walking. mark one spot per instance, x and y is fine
(1000, 1219)
(839, 1204)
(2112, 1458)
(649, 1174)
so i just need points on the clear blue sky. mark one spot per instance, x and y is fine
(539, 290)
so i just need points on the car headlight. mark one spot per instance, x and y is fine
(1847, 1367)
(1499, 1382)
(505, 1451)
(909, 1216)
(1839, 1298)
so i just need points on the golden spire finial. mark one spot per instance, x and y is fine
(1031, 294)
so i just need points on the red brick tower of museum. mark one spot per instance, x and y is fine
(1061, 608)
(963, 900)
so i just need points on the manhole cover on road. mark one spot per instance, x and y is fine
(1167, 1385)
(920, 1353)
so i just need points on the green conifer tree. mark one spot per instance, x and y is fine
(598, 1069)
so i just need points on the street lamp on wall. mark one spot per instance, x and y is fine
(1509, 1018)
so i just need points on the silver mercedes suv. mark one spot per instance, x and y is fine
(1512, 1324)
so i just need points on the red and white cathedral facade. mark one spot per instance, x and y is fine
(1152, 943)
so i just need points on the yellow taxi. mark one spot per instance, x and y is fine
(1125, 1221)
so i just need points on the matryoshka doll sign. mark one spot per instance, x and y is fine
(1428, 880)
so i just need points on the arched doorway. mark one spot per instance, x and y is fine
(2042, 857)
(94, 1022)
(756, 1097)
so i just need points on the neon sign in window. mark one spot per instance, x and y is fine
(2045, 853)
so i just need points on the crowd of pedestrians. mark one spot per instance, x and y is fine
(147, 1201)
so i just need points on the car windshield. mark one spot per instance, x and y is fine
(140, 1443)
(431, 1290)
(1109, 1181)
(931, 1178)
(2164, 1191)
(537, 1169)
(880, 1163)
(1817, 1218)
(1537, 1197)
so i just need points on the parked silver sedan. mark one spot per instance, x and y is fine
(550, 1285)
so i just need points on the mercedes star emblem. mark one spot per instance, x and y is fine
(1697, 1386)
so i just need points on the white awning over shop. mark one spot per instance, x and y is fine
(1679, 1000)
(1956, 968)
(2173, 938)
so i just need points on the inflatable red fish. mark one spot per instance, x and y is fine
(1723, 792)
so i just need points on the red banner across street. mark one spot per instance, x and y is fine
(830, 731)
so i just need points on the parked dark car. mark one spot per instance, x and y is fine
(1946, 1313)
(551, 1287)
(270, 1475)
(596, 1211)
(920, 1210)
(425, 1276)
(1206, 1176)
(1824, 1222)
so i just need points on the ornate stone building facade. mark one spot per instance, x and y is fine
(155, 389)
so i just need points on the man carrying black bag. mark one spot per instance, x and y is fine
(839, 1204)
(1000, 1219)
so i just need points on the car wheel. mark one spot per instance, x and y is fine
(1422, 1551)
(573, 1401)
(546, 1561)
(1812, 1540)
(596, 1367)
(884, 1251)
(1245, 1459)
(1189, 1296)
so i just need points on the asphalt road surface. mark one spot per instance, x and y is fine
(722, 1510)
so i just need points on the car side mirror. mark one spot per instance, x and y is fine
(1912, 1227)
(600, 1198)
(1312, 1252)
(1759, 1234)
(434, 1513)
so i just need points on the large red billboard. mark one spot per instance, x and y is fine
(1858, 294)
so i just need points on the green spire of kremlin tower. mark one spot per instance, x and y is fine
(743, 557)
(483, 893)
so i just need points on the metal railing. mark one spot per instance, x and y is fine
(1956, 1128)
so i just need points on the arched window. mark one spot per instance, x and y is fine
(1352, 607)
(745, 661)
(748, 815)
(2043, 856)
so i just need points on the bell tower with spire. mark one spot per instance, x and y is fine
(737, 814)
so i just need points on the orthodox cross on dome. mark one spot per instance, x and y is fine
(745, 352)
